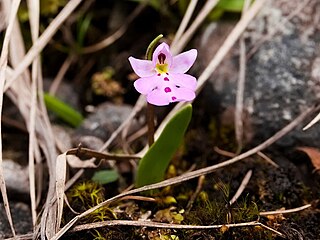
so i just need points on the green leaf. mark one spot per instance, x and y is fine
(63, 110)
(231, 5)
(105, 176)
(153, 165)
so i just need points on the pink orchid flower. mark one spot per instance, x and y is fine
(163, 79)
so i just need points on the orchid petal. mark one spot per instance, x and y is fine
(145, 85)
(162, 48)
(183, 62)
(158, 97)
(143, 68)
(184, 94)
(183, 80)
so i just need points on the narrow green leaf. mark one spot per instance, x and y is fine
(153, 165)
(105, 176)
(63, 110)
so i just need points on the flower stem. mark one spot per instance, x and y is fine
(150, 122)
(150, 107)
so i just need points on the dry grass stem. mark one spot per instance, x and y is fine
(293, 210)
(238, 117)
(61, 73)
(196, 173)
(168, 225)
(184, 39)
(34, 10)
(241, 188)
(61, 171)
(267, 159)
(10, 16)
(186, 18)
(115, 36)
(314, 121)
(43, 40)
(89, 153)
(196, 193)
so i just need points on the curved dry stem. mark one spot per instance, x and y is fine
(115, 36)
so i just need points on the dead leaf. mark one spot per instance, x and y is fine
(61, 168)
(313, 154)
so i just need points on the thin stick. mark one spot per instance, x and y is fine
(293, 210)
(238, 116)
(61, 73)
(167, 225)
(314, 121)
(150, 107)
(196, 193)
(80, 151)
(267, 159)
(150, 123)
(241, 188)
(196, 173)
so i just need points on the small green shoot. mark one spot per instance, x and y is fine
(153, 165)
(63, 110)
(105, 176)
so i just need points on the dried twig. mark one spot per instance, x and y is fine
(63, 70)
(86, 152)
(314, 121)
(267, 159)
(196, 193)
(293, 210)
(167, 225)
(241, 188)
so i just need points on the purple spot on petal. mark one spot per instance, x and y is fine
(173, 98)
(167, 89)
(159, 74)
(166, 79)
(167, 73)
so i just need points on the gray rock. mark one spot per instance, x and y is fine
(282, 75)
(16, 177)
(100, 124)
